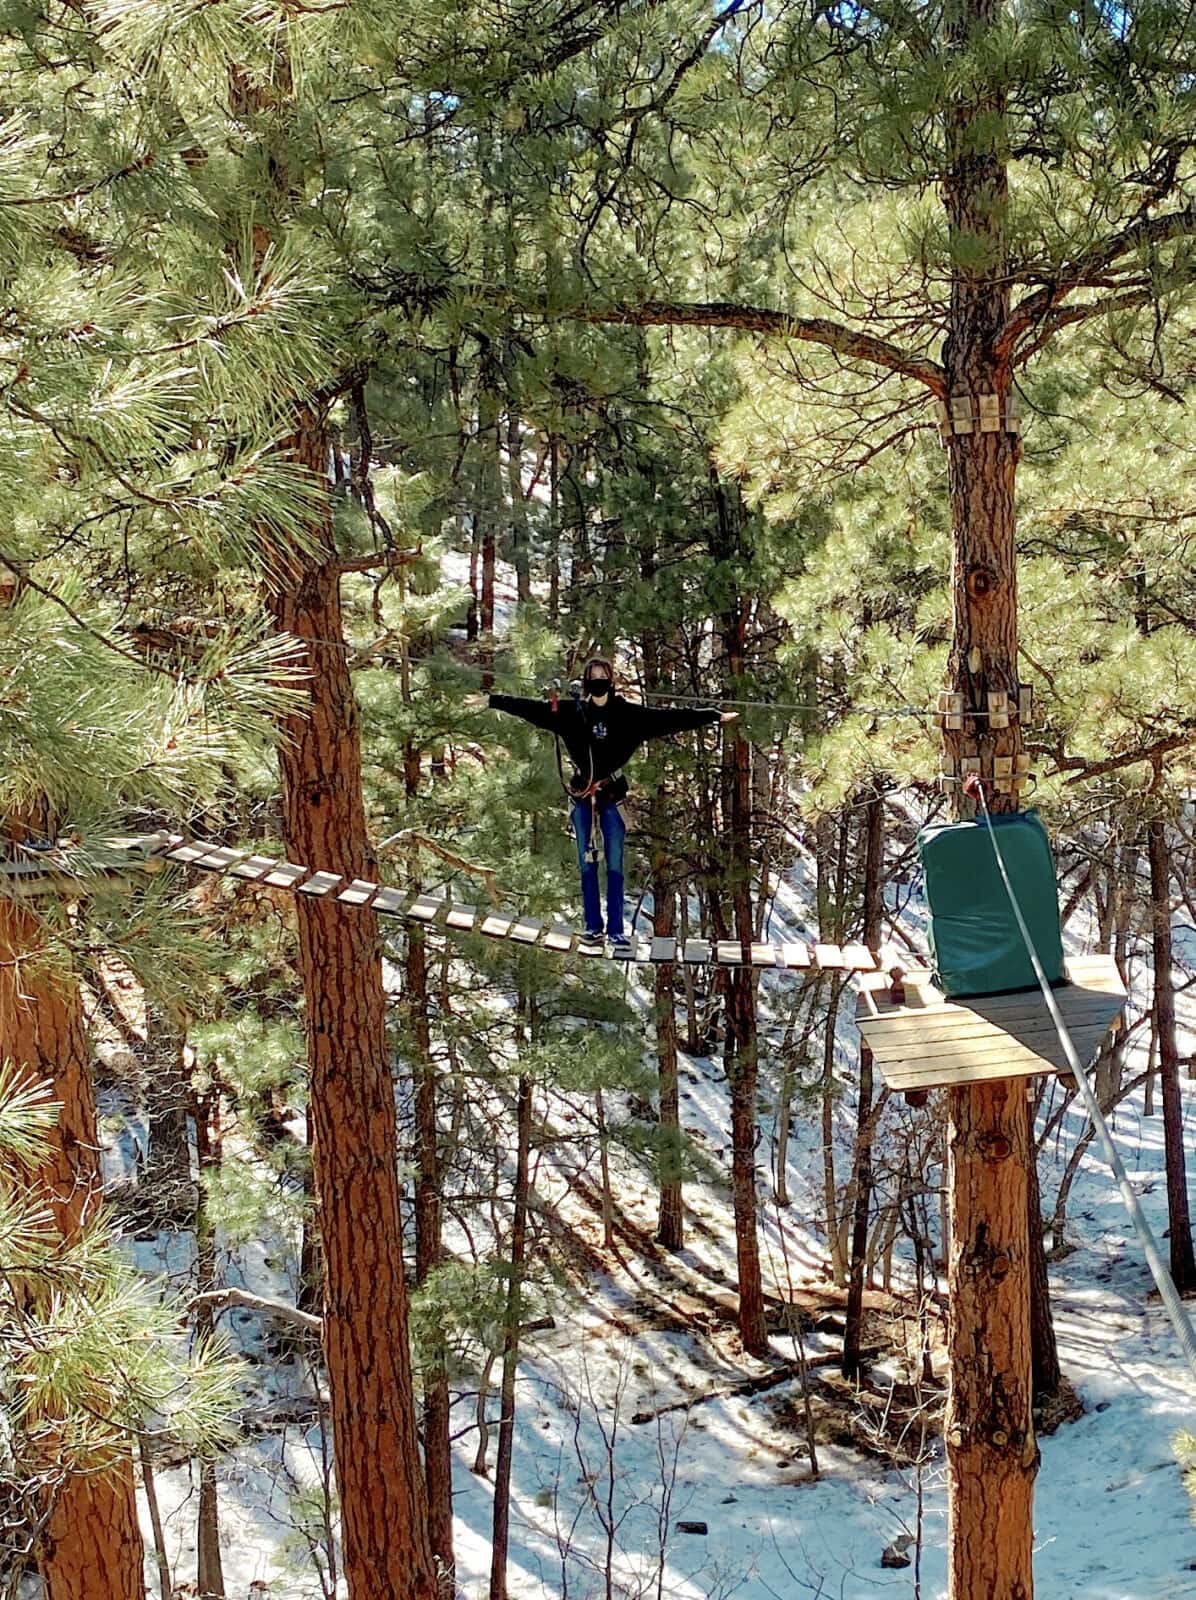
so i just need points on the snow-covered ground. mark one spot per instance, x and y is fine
(1112, 1519)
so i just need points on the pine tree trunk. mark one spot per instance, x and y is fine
(992, 1456)
(387, 1552)
(873, 887)
(1046, 1373)
(489, 486)
(310, 1294)
(670, 1224)
(520, 527)
(1179, 1221)
(167, 1174)
(554, 531)
(438, 1454)
(209, 1573)
(500, 1542)
(91, 1548)
(740, 1054)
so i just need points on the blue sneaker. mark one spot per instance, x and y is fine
(619, 941)
(592, 936)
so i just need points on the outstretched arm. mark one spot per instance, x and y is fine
(540, 713)
(653, 723)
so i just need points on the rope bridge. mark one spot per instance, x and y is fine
(37, 873)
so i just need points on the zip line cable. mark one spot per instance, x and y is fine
(651, 694)
(672, 699)
(1176, 1309)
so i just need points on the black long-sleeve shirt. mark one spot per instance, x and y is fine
(600, 739)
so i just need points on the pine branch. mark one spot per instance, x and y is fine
(1146, 233)
(70, 195)
(854, 344)
(381, 560)
(1081, 769)
(1069, 316)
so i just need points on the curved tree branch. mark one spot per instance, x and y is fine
(1145, 233)
(851, 343)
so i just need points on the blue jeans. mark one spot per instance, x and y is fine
(614, 831)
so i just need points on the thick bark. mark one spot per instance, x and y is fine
(91, 1548)
(1183, 1264)
(992, 1457)
(500, 1541)
(874, 835)
(387, 1552)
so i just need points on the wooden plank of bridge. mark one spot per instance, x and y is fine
(697, 952)
(495, 926)
(559, 937)
(253, 868)
(794, 954)
(424, 908)
(189, 855)
(829, 957)
(321, 884)
(859, 958)
(160, 844)
(462, 918)
(764, 955)
(220, 859)
(663, 950)
(285, 875)
(358, 893)
(393, 902)
(526, 930)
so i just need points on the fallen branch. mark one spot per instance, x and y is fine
(222, 1299)
(759, 1385)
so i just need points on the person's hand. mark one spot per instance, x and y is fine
(728, 716)
(476, 702)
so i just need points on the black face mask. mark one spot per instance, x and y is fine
(597, 688)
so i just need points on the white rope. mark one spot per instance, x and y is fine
(1176, 1309)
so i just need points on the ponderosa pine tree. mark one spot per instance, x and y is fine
(961, 106)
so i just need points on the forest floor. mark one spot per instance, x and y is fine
(610, 1458)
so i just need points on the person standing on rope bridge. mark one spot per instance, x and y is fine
(601, 730)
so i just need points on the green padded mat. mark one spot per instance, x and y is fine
(974, 936)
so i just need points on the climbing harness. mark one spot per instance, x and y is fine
(1176, 1309)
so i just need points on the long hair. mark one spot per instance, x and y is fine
(600, 661)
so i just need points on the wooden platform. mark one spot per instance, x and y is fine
(930, 1042)
(52, 872)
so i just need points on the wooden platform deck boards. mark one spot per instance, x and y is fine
(45, 874)
(930, 1042)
